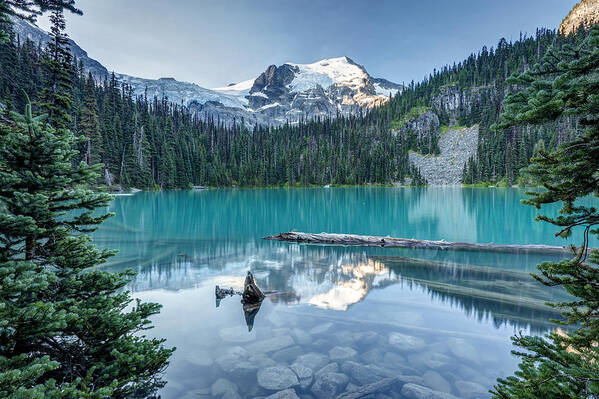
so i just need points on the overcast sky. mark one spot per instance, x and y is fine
(216, 42)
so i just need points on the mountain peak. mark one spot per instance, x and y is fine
(585, 13)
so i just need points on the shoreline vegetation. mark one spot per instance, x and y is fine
(134, 190)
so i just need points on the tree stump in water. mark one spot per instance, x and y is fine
(222, 293)
(251, 292)
(250, 310)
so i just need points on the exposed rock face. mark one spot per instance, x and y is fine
(425, 126)
(457, 145)
(274, 80)
(585, 13)
(454, 101)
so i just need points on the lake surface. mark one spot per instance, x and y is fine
(342, 317)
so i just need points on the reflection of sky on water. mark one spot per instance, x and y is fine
(338, 278)
(182, 244)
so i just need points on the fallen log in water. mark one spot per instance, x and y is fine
(373, 241)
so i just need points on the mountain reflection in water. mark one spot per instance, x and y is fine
(337, 278)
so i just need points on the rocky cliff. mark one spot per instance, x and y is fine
(585, 13)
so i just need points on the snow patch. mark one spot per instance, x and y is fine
(267, 106)
(181, 92)
(327, 72)
(241, 86)
(380, 90)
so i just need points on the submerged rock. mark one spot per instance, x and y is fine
(344, 338)
(280, 331)
(321, 328)
(199, 357)
(321, 344)
(374, 356)
(285, 394)
(314, 361)
(413, 391)
(329, 368)
(463, 349)
(366, 338)
(342, 353)
(223, 386)
(236, 351)
(277, 378)
(276, 319)
(406, 343)
(238, 334)
(271, 344)
(261, 361)
(470, 390)
(431, 360)
(201, 393)
(435, 381)
(236, 367)
(329, 385)
(288, 354)
(351, 387)
(304, 374)
(301, 337)
(363, 374)
(396, 362)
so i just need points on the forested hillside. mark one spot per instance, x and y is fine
(150, 143)
(472, 92)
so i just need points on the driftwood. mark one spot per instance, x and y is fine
(373, 241)
(370, 389)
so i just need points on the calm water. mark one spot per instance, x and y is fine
(442, 318)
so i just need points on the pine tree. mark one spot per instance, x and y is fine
(64, 330)
(4, 22)
(57, 63)
(565, 83)
(8, 62)
(89, 126)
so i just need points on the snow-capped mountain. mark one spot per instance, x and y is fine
(291, 92)
(285, 93)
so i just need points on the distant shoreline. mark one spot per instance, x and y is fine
(125, 193)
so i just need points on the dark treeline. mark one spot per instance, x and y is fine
(151, 143)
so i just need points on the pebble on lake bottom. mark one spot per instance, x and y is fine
(291, 363)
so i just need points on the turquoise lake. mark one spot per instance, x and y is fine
(342, 317)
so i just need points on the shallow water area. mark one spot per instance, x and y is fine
(342, 319)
